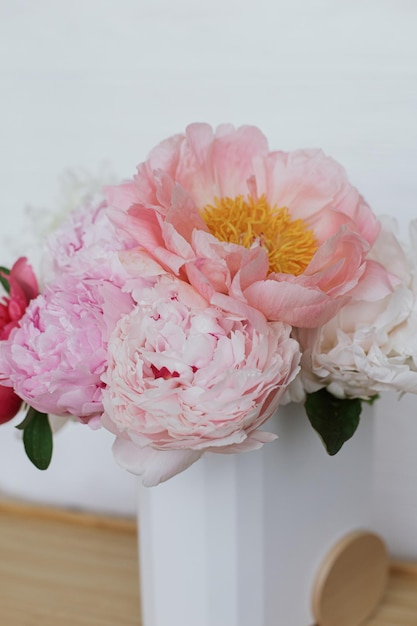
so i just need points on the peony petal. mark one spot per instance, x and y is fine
(218, 163)
(122, 197)
(254, 441)
(327, 222)
(138, 263)
(10, 404)
(293, 303)
(155, 466)
(183, 214)
(145, 225)
(22, 273)
(375, 284)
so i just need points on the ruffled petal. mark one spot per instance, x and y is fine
(154, 466)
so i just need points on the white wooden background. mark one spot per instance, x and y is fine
(92, 85)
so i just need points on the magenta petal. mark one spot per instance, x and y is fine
(22, 274)
(10, 404)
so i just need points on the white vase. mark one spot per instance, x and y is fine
(236, 540)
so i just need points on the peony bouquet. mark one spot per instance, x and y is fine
(180, 308)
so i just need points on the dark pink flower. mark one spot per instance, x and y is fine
(10, 404)
(23, 288)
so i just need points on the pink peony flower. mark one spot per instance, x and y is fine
(85, 245)
(23, 288)
(285, 233)
(55, 358)
(184, 378)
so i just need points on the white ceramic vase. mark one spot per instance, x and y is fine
(236, 540)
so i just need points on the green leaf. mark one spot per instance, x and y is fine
(334, 419)
(31, 412)
(37, 438)
(3, 279)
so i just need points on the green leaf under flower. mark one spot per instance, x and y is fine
(334, 419)
(37, 438)
(3, 280)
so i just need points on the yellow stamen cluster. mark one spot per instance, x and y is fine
(290, 244)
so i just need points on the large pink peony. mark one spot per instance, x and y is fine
(285, 233)
(184, 377)
(55, 358)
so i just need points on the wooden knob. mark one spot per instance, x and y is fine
(350, 581)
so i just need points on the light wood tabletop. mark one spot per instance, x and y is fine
(60, 568)
(66, 569)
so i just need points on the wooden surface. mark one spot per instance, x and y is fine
(65, 569)
(399, 605)
(70, 569)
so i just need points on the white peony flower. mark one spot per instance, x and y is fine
(368, 347)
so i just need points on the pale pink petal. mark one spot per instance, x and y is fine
(254, 314)
(218, 163)
(145, 225)
(327, 222)
(175, 242)
(305, 181)
(203, 284)
(138, 263)
(183, 214)
(292, 303)
(351, 203)
(165, 156)
(154, 466)
(121, 197)
(308, 181)
(338, 265)
(254, 267)
(255, 440)
(375, 284)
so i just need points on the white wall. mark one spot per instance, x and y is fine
(94, 84)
